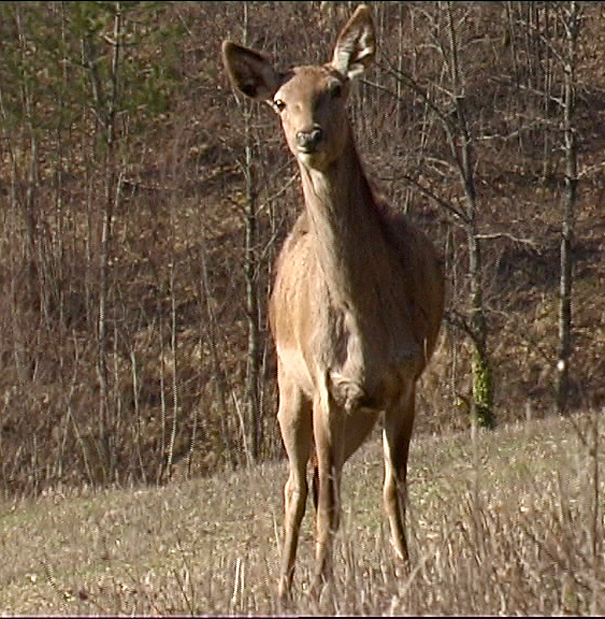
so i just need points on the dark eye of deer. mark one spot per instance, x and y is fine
(279, 105)
(335, 90)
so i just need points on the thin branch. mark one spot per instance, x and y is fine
(505, 235)
(429, 194)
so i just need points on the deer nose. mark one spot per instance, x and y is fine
(308, 140)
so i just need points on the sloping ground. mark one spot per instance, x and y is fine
(502, 523)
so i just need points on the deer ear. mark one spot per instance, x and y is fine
(355, 47)
(250, 71)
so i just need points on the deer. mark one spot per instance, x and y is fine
(357, 299)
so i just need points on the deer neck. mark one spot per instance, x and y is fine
(348, 231)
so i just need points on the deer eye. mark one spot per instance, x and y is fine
(335, 90)
(279, 105)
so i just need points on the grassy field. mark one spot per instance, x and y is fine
(504, 522)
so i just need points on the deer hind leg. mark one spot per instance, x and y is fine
(397, 432)
(357, 429)
(328, 428)
(294, 417)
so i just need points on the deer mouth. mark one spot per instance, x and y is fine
(311, 149)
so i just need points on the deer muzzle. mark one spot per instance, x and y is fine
(307, 141)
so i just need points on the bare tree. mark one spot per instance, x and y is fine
(571, 19)
(107, 100)
(253, 424)
(449, 106)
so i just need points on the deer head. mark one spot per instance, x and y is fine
(310, 100)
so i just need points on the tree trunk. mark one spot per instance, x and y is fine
(106, 108)
(482, 408)
(252, 308)
(569, 213)
(254, 421)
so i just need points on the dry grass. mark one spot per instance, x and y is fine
(508, 523)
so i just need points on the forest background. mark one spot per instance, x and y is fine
(143, 203)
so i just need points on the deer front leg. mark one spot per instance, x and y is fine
(396, 438)
(294, 417)
(328, 428)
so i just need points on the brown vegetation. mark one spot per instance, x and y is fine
(142, 205)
